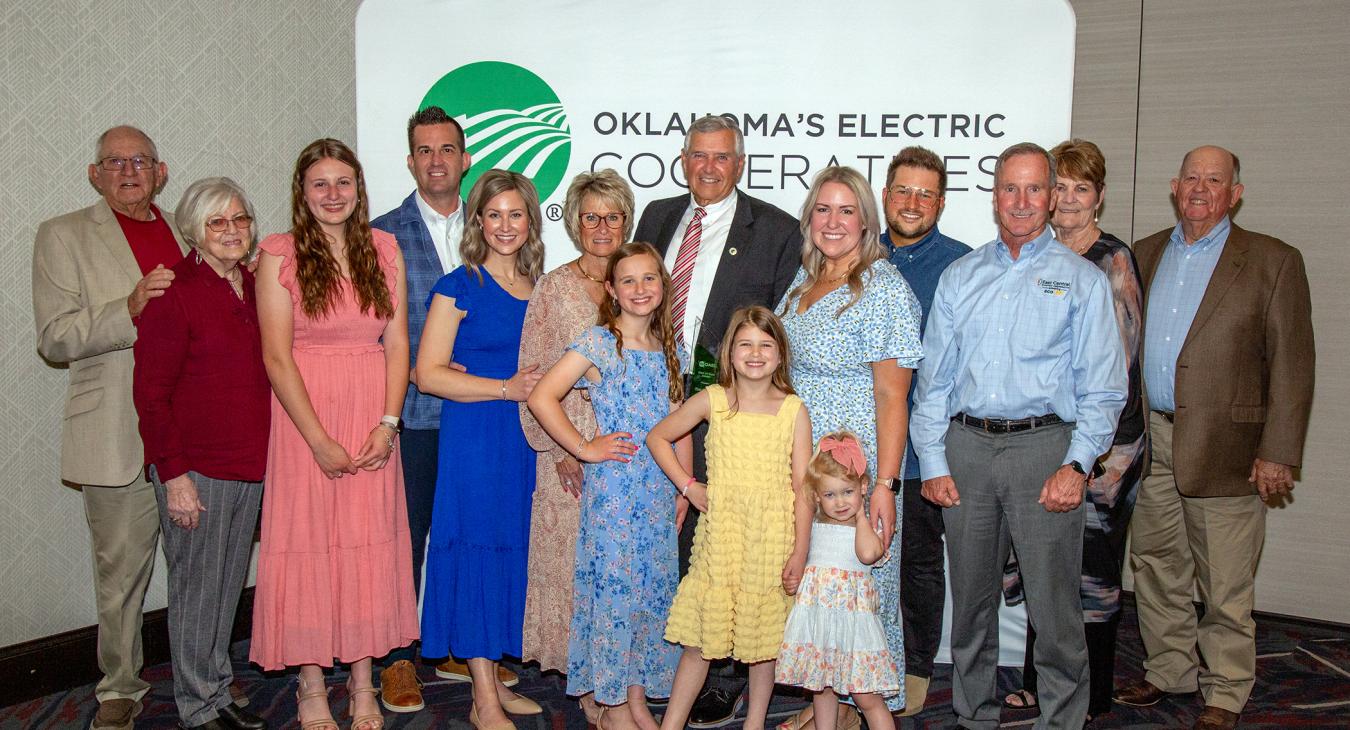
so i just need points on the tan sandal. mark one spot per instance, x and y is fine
(305, 691)
(368, 721)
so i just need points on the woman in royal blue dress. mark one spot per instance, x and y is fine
(474, 602)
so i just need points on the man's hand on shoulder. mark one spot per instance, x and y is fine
(150, 286)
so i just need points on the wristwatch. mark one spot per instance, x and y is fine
(1076, 467)
(892, 483)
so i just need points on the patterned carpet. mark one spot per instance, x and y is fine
(1303, 680)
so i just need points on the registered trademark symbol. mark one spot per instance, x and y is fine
(554, 212)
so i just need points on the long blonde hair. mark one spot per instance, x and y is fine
(660, 325)
(869, 249)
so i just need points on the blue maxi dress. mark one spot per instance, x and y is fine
(474, 596)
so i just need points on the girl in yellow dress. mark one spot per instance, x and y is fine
(750, 545)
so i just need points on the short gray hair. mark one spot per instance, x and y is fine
(98, 144)
(207, 197)
(715, 123)
(1026, 148)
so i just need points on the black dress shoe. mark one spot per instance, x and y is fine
(715, 707)
(239, 719)
(208, 725)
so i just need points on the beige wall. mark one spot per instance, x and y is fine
(232, 89)
(1270, 81)
(237, 88)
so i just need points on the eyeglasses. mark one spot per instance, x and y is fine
(612, 220)
(219, 224)
(923, 196)
(138, 163)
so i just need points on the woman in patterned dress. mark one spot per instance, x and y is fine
(598, 216)
(854, 327)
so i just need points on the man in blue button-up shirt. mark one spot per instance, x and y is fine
(915, 193)
(1228, 368)
(1019, 391)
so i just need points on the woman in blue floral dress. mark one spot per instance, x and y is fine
(626, 572)
(854, 327)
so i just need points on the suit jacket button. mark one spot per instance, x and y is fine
(731, 251)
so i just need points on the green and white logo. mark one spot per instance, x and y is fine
(512, 120)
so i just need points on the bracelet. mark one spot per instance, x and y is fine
(389, 434)
(503, 395)
(685, 491)
(582, 445)
(390, 421)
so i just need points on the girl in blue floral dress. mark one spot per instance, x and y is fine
(626, 571)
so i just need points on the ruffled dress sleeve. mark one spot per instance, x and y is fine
(890, 317)
(282, 245)
(597, 345)
(386, 252)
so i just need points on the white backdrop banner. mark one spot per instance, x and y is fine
(552, 89)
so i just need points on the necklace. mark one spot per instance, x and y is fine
(1087, 243)
(236, 282)
(582, 269)
(841, 277)
(502, 278)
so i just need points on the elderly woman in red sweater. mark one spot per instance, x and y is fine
(203, 399)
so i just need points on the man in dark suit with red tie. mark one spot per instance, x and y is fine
(724, 250)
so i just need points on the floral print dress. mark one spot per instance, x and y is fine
(833, 636)
(626, 571)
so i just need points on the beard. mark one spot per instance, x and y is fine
(899, 227)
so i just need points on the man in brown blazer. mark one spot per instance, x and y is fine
(1228, 367)
(93, 272)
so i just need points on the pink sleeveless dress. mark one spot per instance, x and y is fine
(335, 564)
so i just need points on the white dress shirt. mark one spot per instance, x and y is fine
(446, 230)
(716, 225)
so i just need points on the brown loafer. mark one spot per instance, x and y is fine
(1215, 718)
(400, 690)
(458, 671)
(1139, 694)
(117, 714)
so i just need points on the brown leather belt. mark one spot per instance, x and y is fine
(999, 425)
(1171, 416)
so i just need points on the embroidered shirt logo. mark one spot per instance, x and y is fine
(1053, 287)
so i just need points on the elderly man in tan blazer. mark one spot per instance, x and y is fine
(93, 272)
(1228, 366)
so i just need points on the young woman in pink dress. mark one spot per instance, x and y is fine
(335, 569)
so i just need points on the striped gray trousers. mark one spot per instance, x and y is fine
(207, 569)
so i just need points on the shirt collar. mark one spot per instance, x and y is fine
(1029, 249)
(913, 250)
(715, 209)
(1217, 234)
(431, 214)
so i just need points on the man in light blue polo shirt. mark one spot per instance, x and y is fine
(1021, 385)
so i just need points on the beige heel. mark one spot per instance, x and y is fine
(305, 691)
(368, 721)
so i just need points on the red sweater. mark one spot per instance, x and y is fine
(200, 387)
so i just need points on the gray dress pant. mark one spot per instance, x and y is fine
(999, 479)
(207, 569)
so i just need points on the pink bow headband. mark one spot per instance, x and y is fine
(846, 451)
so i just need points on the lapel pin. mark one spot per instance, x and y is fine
(732, 251)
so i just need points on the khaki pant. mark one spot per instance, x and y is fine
(123, 531)
(1181, 544)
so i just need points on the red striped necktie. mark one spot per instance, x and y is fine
(684, 271)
